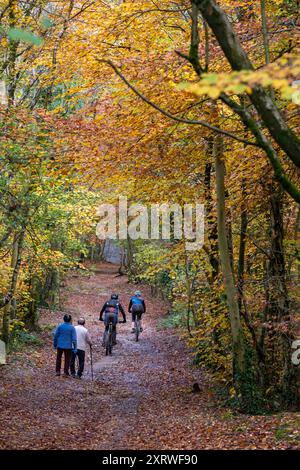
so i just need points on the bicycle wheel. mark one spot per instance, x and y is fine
(137, 328)
(108, 341)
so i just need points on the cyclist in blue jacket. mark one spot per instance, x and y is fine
(136, 307)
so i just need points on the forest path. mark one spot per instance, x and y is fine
(140, 397)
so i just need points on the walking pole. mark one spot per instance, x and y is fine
(91, 356)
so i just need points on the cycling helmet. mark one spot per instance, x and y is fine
(138, 293)
(114, 296)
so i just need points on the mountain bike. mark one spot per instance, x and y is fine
(109, 336)
(108, 342)
(137, 326)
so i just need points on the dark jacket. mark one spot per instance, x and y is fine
(118, 308)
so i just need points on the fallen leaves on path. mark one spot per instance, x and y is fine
(141, 397)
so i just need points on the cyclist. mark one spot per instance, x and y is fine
(137, 306)
(111, 310)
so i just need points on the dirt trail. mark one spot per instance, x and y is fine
(140, 398)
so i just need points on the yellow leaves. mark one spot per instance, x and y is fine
(279, 75)
(16, 324)
(214, 84)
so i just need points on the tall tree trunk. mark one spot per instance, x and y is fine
(9, 310)
(238, 344)
(280, 336)
(242, 247)
(212, 229)
(212, 234)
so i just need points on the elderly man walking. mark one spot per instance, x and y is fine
(65, 341)
(83, 340)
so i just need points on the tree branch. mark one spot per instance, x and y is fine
(266, 145)
(172, 116)
(220, 25)
(250, 124)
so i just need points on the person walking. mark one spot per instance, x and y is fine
(65, 341)
(83, 340)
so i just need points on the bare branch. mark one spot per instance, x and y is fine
(171, 116)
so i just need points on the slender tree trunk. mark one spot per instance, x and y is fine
(57, 44)
(229, 230)
(31, 317)
(242, 247)
(130, 252)
(50, 293)
(9, 310)
(278, 307)
(122, 266)
(212, 235)
(238, 345)
(212, 229)
(265, 33)
(12, 56)
(265, 30)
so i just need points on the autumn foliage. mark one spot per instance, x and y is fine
(156, 101)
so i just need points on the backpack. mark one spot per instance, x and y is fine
(112, 306)
(137, 305)
(137, 300)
